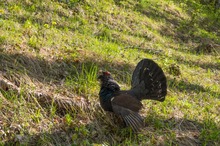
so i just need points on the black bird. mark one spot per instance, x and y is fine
(148, 82)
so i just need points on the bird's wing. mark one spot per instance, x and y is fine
(148, 81)
(127, 106)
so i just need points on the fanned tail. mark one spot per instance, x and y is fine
(149, 81)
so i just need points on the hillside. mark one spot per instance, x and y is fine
(51, 52)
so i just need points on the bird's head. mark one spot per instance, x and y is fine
(107, 80)
(104, 75)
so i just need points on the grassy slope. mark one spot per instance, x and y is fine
(59, 47)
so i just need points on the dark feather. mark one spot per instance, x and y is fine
(131, 118)
(127, 101)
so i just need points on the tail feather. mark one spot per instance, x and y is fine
(149, 81)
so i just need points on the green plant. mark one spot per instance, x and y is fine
(83, 80)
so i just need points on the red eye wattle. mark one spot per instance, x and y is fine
(106, 73)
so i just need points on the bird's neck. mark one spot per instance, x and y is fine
(110, 84)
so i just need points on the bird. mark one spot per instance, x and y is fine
(148, 81)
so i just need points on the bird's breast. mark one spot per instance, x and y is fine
(105, 97)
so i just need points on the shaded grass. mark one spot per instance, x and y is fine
(83, 72)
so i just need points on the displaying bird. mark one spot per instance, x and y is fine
(148, 82)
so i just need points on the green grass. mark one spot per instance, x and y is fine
(59, 47)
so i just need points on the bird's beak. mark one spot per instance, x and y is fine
(100, 74)
(99, 77)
